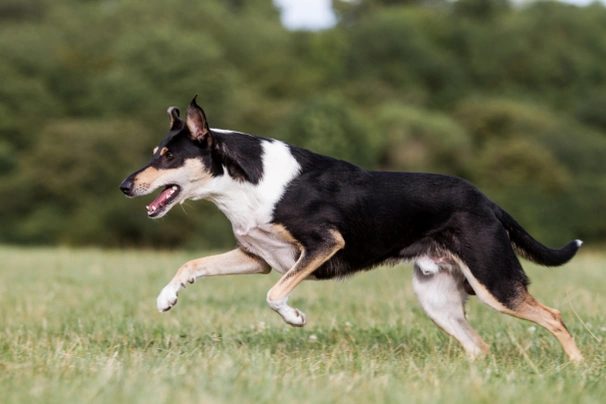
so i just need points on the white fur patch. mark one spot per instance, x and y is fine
(262, 241)
(247, 205)
(427, 265)
(290, 315)
(579, 242)
(250, 207)
(168, 297)
(225, 131)
(443, 298)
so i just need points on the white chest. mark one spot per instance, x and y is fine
(268, 244)
(249, 207)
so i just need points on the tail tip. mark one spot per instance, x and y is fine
(579, 242)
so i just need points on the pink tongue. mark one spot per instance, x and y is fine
(164, 195)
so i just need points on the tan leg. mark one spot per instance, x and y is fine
(309, 261)
(234, 262)
(529, 309)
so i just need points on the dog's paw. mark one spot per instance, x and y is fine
(167, 297)
(296, 318)
(290, 315)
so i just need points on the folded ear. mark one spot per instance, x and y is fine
(175, 121)
(196, 121)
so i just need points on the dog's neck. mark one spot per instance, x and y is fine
(248, 205)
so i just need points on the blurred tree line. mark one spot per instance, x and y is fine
(512, 98)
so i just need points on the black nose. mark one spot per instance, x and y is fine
(127, 186)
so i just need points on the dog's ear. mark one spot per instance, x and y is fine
(176, 123)
(196, 121)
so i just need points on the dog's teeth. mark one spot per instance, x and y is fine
(175, 187)
(147, 207)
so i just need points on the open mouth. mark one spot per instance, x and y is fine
(163, 201)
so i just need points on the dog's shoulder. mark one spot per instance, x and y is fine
(258, 171)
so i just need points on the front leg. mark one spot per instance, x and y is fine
(234, 262)
(312, 257)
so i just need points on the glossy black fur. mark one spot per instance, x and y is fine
(391, 216)
(241, 154)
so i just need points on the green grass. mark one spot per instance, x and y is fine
(81, 326)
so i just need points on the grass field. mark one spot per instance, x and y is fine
(80, 326)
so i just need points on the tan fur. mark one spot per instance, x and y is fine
(527, 308)
(155, 150)
(147, 177)
(230, 263)
(303, 268)
(281, 231)
(483, 294)
(235, 262)
(163, 151)
(190, 176)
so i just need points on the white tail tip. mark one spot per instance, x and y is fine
(579, 242)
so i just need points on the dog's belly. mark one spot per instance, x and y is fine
(268, 244)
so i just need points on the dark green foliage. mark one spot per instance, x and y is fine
(397, 51)
(330, 126)
(512, 98)
(481, 10)
(414, 139)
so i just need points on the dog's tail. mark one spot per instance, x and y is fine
(529, 248)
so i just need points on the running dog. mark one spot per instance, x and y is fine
(309, 216)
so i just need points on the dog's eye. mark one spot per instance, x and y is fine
(168, 155)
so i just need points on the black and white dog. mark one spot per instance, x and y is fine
(309, 216)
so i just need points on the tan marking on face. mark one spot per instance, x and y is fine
(163, 151)
(147, 176)
(155, 150)
(191, 171)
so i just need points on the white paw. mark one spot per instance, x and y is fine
(167, 297)
(292, 316)
(295, 317)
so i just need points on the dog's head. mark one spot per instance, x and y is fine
(181, 163)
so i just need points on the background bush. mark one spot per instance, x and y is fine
(511, 97)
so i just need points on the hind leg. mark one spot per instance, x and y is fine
(442, 295)
(528, 308)
(497, 277)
